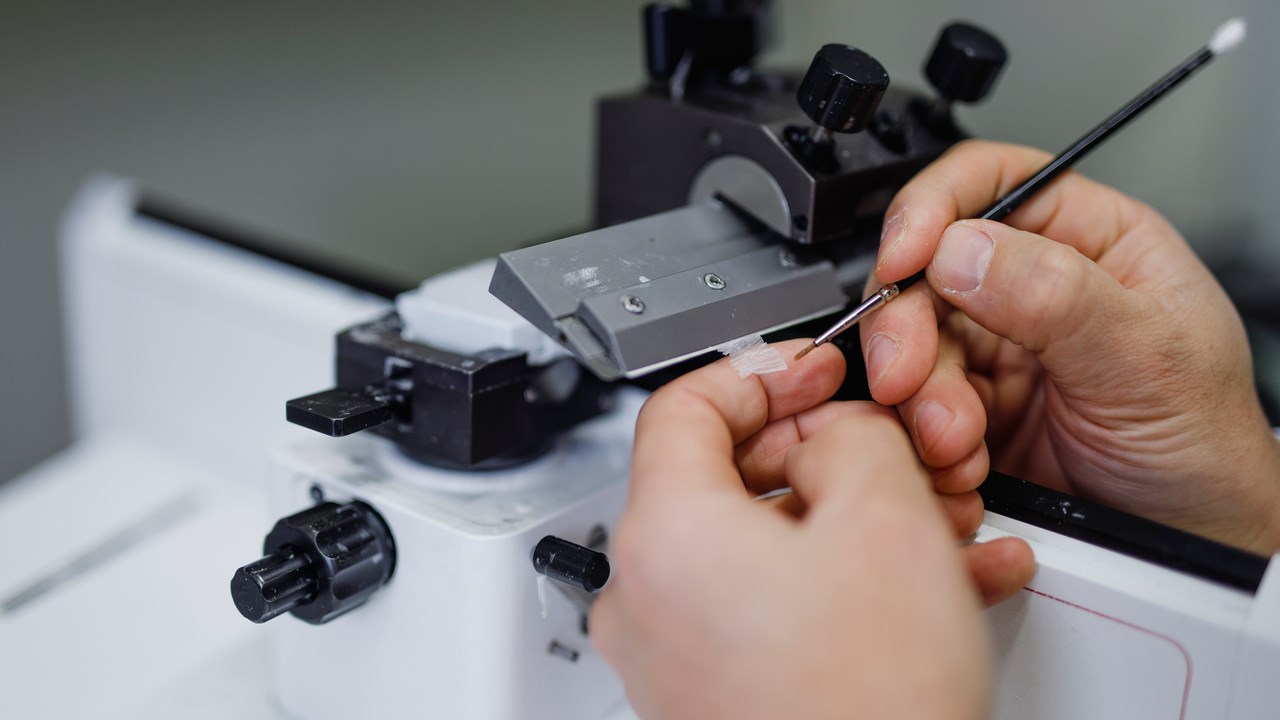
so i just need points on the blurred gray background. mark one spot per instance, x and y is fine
(406, 138)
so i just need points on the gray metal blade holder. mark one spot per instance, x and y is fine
(637, 297)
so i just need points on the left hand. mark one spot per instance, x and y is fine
(851, 596)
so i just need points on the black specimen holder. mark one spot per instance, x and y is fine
(471, 412)
(785, 149)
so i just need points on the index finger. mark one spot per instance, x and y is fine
(687, 430)
(972, 175)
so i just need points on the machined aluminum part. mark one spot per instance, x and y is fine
(584, 291)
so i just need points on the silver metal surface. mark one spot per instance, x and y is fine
(706, 273)
(746, 184)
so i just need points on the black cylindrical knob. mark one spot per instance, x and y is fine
(273, 585)
(571, 563)
(842, 88)
(319, 564)
(965, 63)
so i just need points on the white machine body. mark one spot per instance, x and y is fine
(461, 629)
(464, 628)
(1095, 634)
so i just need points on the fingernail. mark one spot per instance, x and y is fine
(882, 351)
(932, 419)
(962, 258)
(894, 229)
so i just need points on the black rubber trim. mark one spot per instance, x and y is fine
(1121, 532)
(169, 214)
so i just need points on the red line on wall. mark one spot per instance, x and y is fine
(1186, 686)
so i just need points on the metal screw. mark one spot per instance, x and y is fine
(713, 281)
(562, 651)
(786, 258)
(597, 538)
(632, 304)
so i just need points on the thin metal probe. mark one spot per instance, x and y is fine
(1225, 38)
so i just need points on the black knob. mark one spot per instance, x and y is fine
(319, 564)
(718, 36)
(842, 88)
(965, 63)
(571, 563)
(273, 585)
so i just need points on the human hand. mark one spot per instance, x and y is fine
(849, 596)
(1092, 348)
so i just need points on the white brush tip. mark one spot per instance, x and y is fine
(1227, 36)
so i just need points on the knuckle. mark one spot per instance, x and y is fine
(891, 517)
(872, 429)
(630, 556)
(652, 404)
(799, 459)
(627, 550)
(971, 146)
(604, 626)
(1050, 294)
(648, 550)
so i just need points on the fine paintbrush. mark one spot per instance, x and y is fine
(1226, 37)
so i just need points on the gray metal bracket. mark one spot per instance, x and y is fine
(636, 297)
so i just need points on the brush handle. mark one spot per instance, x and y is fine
(1010, 202)
(1076, 152)
(1007, 204)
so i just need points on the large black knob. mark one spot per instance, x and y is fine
(842, 88)
(319, 564)
(965, 63)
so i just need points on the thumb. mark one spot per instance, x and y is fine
(1040, 294)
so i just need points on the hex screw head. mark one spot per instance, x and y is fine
(632, 304)
(713, 281)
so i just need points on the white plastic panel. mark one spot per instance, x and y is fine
(454, 311)
(187, 342)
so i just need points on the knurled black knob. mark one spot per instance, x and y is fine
(319, 564)
(273, 585)
(965, 63)
(842, 88)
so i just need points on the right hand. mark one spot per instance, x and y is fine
(1082, 338)
(848, 599)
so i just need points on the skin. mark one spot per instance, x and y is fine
(852, 592)
(1080, 344)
